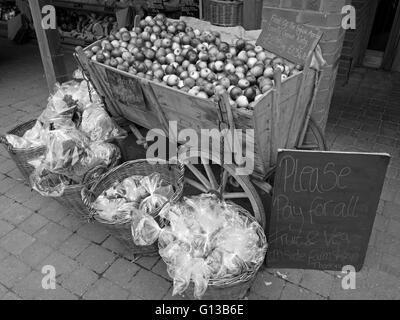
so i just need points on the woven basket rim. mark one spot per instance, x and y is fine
(112, 172)
(29, 124)
(247, 275)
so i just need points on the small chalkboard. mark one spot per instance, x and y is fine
(323, 210)
(126, 90)
(288, 39)
(155, 6)
(190, 8)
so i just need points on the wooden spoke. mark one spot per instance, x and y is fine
(195, 184)
(210, 174)
(199, 176)
(235, 195)
(224, 180)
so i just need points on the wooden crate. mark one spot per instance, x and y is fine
(277, 119)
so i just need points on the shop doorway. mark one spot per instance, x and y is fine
(383, 42)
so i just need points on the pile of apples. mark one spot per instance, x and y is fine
(199, 63)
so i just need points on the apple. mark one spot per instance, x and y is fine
(242, 101)
(235, 92)
(243, 83)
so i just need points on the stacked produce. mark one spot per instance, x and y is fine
(74, 128)
(208, 240)
(194, 61)
(85, 26)
(134, 199)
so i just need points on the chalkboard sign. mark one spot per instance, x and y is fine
(126, 90)
(190, 8)
(323, 210)
(287, 38)
(155, 6)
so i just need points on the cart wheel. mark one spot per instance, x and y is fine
(205, 175)
(315, 138)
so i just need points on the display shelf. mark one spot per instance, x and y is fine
(97, 8)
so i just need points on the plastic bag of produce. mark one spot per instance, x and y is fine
(98, 125)
(207, 238)
(49, 184)
(158, 193)
(145, 230)
(134, 191)
(112, 209)
(33, 137)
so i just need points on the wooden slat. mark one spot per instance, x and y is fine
(275, 117)
(262, 128)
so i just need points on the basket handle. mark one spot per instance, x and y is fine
(10, 148)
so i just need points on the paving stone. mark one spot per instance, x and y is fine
(7, 166)
(169, 296)
(160, 268)
(20, 193)
(71, 223)
(6, 184)
(5, 227)
(392, 210)
(12, 270)
(147, 262)
(16, 175)
(96, 258)
(74, 245)
(93, 232)
(390, 264)
(37, 202)
(16, 241)
(53, 234)
(268, 286)
(116, 246)
(79, 281)
(10, 296)
(104, 289)
(33, 223)
(317, 281)
(63, 265)
(292, 292)
(292, 275)
(31, 288)
(53, 211)
(121, 272)
(389, 244)
(383, 285)
(16, 213)
(35, 254)
(393, 228)
(380, 223)
(144, 282)
(3, 290)
(3, 254)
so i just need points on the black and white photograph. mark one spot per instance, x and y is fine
(200, 156)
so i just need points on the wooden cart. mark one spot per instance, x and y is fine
(280, 120)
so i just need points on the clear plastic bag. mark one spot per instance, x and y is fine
(152, 184)
(145, 229)
(98, 125)
(219, 240)
(47, 183)
(134, 191)
(114, 209)
(34, 137)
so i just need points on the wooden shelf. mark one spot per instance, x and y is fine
(83, 6)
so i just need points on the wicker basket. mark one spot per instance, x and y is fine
(232, 288)
(226, 13)
(22, 156)
(71, 197)
(121, 230)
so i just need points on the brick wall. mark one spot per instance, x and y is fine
(326, 15)
(356, 41)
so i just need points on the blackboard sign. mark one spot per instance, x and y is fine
(287, 38)
(155, 6)
(324, 206)
(190, 8)
(126, 90)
